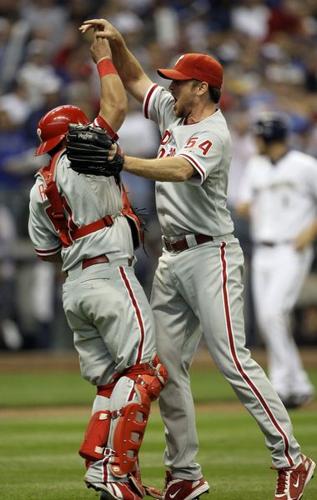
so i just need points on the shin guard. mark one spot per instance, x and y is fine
(128, 437)
(129, 422)
(96, 436)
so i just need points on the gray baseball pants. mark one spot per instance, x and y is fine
(201, 290)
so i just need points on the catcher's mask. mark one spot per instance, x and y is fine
(53, 126)
(272, 127)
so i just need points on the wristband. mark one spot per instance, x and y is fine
(105, 67)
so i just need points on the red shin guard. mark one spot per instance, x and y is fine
(128, 437)
(149, 380)
(96, 436)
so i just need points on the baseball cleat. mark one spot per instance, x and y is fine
(114, 491)
(292, 482)
(184, 489)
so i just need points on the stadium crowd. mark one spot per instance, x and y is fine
(269, 52)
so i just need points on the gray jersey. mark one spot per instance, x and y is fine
(198, 205)
(86, 198)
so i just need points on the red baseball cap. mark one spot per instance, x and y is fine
(195, 67)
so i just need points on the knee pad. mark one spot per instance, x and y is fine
(150, 378)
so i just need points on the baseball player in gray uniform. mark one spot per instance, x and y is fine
(78, 220)
(198, 284)
(279, 192)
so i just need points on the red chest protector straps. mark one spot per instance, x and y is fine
(60, 214)
(133, 219)
(67, 230)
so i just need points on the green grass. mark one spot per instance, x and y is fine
(67, 388)
(38, 452)
(44, 389)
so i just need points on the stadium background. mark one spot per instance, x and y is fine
(269, 51)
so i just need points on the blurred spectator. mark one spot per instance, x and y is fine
(287, 16)
(13, 141)
(251, 17)
(46, 19)
(311, 72)
(37, 74)
(34, 300)
(80, 10)
(51, 96)
(243, 148)
(166, 24)
(13, 44)
(16, 105)
(10, 336)
(5, 28)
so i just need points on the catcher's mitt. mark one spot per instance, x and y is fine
(88, 149)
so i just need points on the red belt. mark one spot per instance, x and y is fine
(181, 245)
(100, 259)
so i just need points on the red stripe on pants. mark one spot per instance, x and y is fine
(236, 360)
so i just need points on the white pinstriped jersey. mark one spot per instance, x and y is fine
(88, 198)
(283, 196)
(199, 204)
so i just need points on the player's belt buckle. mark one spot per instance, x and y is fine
(185, 243)
(176, 246)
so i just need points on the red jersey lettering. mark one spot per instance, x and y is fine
(42, 192)
(204, 146)
(166, 137)
(191, 142)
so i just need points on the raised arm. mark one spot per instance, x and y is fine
(113, 97)
(131, 72)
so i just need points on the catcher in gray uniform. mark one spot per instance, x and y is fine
(82, 221)
(198, 286)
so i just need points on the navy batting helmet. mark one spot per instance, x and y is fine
(271, 127)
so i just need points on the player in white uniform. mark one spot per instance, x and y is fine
(279, 192)
(78, 220)
(198, 284)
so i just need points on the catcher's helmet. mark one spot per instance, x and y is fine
(53, 126)
(271, 127)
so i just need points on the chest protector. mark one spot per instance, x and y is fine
(60, 214)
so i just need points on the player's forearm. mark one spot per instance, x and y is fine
(113, 100)
(130, 70)
(126, 63)
(173, 169)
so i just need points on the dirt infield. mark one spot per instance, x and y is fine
(34, 361)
